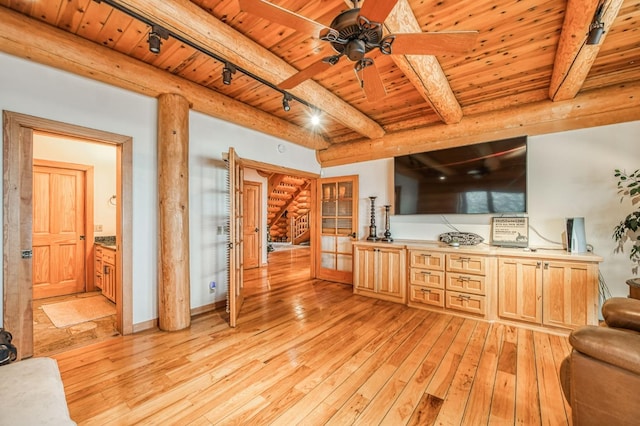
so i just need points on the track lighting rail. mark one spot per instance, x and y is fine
(229, 68)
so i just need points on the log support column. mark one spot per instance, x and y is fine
(173, 196)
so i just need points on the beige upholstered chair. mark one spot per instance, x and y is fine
(601, 375)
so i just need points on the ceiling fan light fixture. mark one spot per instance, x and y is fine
(227, 73)
(355, 50)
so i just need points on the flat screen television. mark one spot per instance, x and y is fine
(489, 178)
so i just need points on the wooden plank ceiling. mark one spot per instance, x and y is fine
(529, 72)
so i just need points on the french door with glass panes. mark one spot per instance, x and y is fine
(337, 226)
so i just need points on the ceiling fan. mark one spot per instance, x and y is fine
(354, 33)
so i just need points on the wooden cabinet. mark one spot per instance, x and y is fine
(426, 278)
(380, 271)
(544, 288)
(105, 270)
(466, 283)
(548, 292)
(445, 280)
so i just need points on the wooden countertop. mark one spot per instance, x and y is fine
(488, 250)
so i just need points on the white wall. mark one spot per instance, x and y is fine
(570, 174)
(33, 89)
(103, 159)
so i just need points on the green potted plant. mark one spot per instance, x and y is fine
(627, 230)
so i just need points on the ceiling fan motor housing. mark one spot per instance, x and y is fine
(360, 40)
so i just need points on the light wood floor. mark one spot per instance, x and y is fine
(310, 352)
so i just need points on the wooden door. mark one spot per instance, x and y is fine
(235, 295)
(337, 227)
(251, 226)
(58, 231)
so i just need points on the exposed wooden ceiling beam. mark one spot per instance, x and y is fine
(424, 71)
(188, 20)
(616, 104)
(574, 57)
(30, 39)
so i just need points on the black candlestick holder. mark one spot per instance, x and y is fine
(372, 227)
(387, 230)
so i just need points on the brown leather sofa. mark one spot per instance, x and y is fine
(601, 375)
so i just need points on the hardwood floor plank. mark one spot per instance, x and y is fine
(479, 405)
(453, 407)
(527, 400)
(504, 392)
(310, 352)
(552, 409)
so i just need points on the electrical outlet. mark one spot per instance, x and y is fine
(97, 228)
(212, 287)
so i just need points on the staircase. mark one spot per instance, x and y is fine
(289, 201)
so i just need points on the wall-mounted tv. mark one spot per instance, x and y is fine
(489, 177)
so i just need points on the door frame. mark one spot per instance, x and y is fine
(88, 213)
(18, 132)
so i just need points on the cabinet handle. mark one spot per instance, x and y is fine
(546, 265)
(465, 259)
(426, 273)
(463, 279)
(538, 264)
(463, 297)
(425, 290)
(106, 270)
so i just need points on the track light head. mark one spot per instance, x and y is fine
(227, 72)
(285, 102)
(156, 35)
(596, 29)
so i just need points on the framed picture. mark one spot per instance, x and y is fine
(510, 231)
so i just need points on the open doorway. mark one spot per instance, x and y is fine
(18, 164)
(74, 206)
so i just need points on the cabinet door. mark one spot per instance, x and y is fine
(520, 289)
(569, 294)
(364, 272)
(391, 273)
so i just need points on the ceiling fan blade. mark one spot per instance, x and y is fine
(372, 84)
(436, 43)
(305, 74)
(280, 15)
(377, 10)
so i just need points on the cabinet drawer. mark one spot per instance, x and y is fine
(470, 303)
(426, 296)
(426, 259)
(466, 283)
(466, 263)
(109, 256)
(426, 277)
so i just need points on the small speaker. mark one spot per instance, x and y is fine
(576, 240)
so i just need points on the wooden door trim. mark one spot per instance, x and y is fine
(88, 213)
(17, 170)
